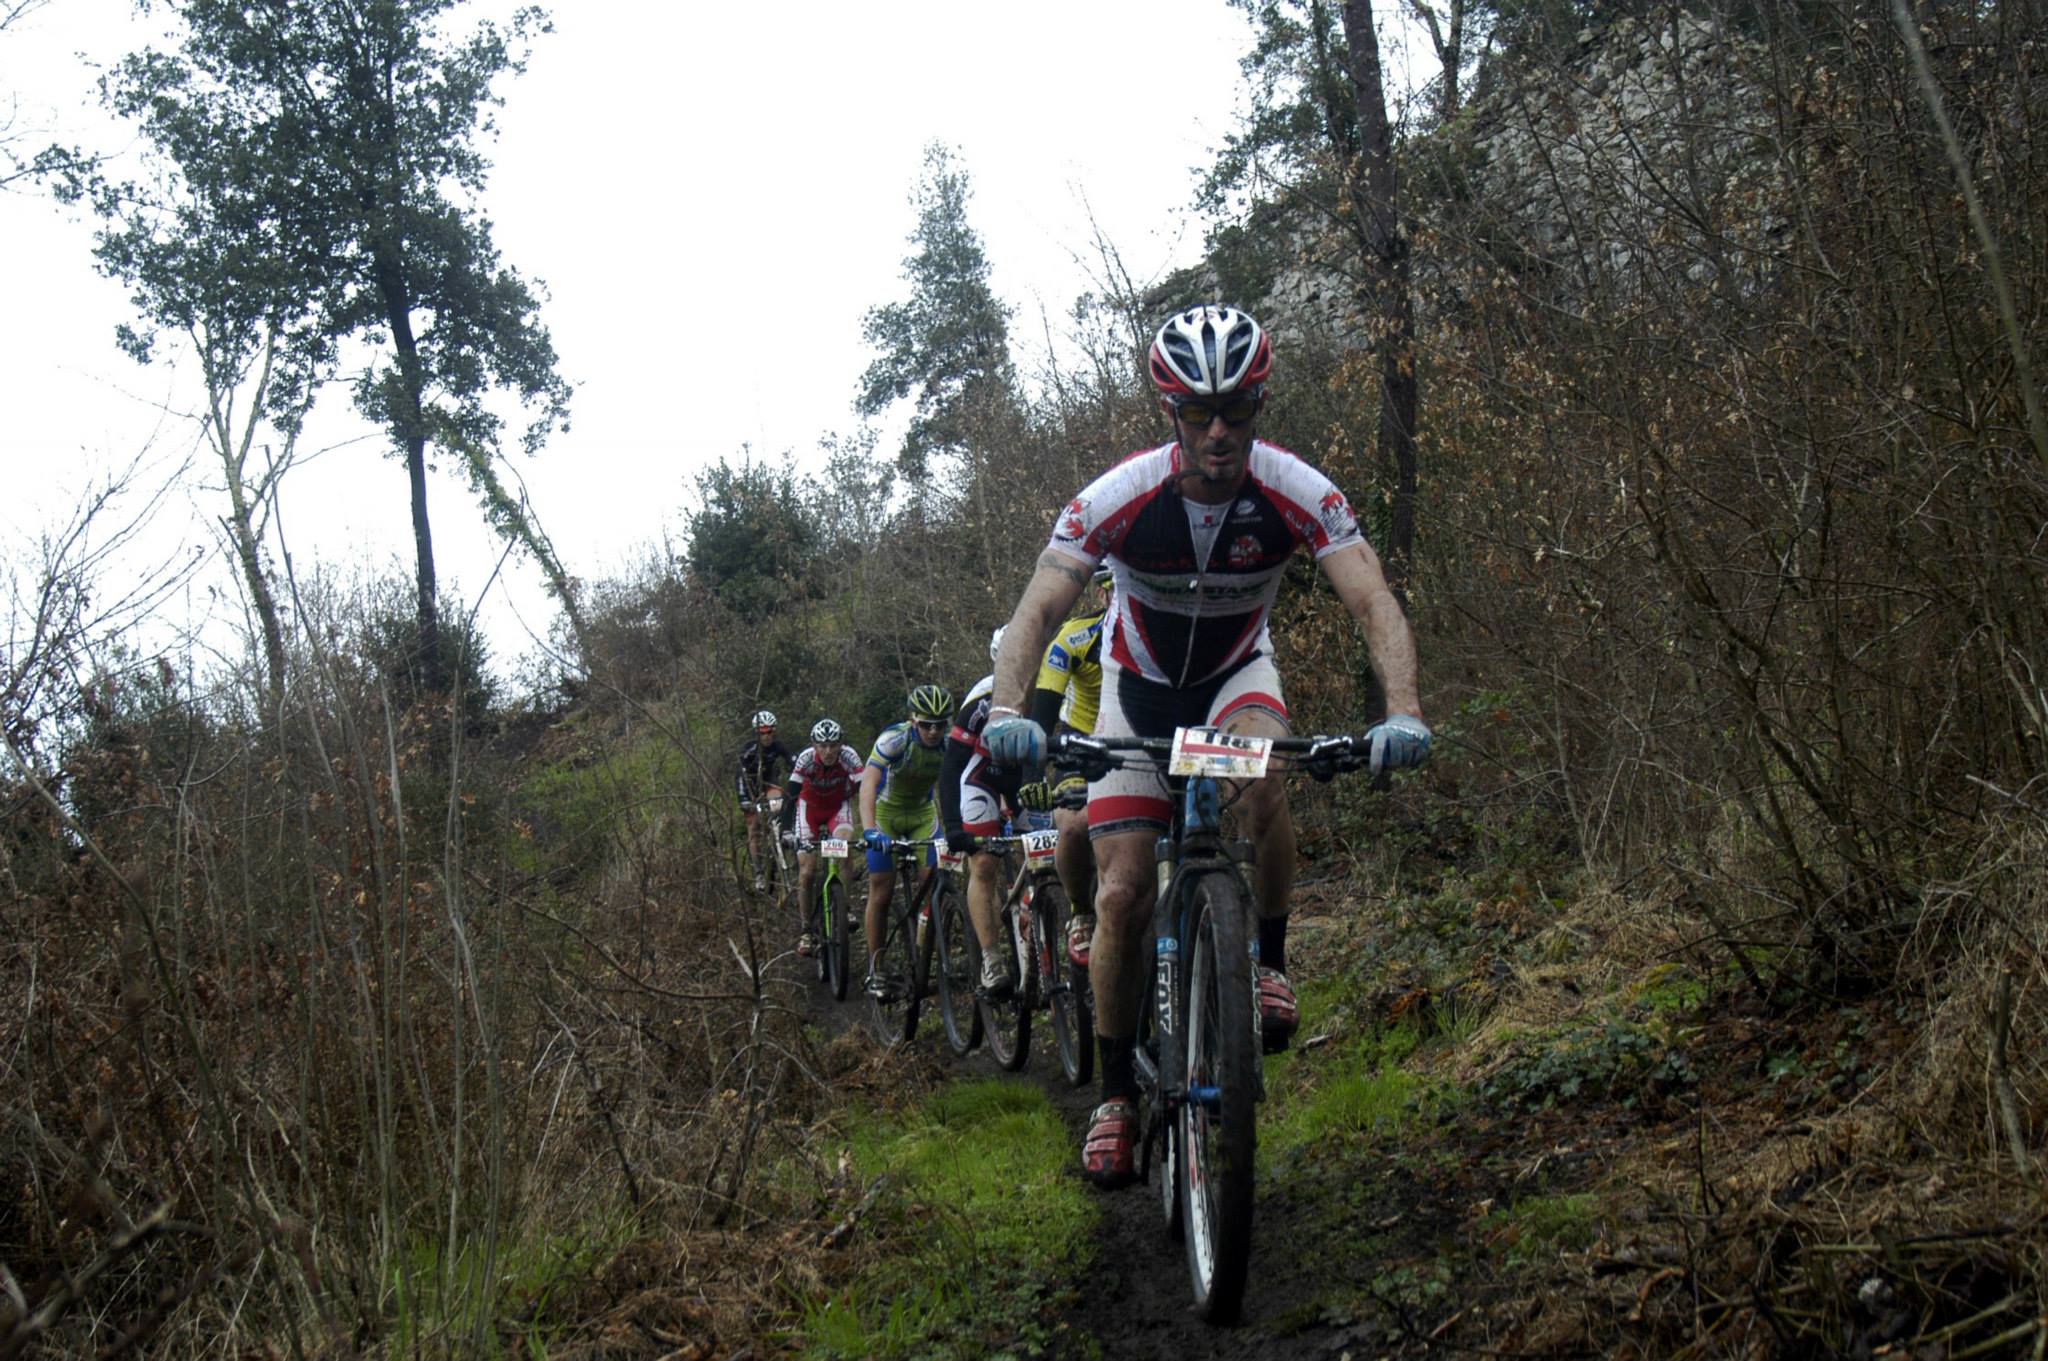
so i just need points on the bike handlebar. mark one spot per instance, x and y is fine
(1322, 757)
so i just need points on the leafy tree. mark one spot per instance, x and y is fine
(948, 344)
(752, 542)
(335, 147)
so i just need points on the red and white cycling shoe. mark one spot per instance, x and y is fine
(1080, 937)
(1109, 1155)
(1279, 1014)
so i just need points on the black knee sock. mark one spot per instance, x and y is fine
(1273, 942)
(1119, 1067)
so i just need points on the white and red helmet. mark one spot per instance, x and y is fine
(1208, 351)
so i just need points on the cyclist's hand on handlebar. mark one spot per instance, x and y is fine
(1402, 740)
(877, 839)
(1014, 741)
(958, 842)
(1036, 796)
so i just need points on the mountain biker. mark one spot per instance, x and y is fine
(1068, 692)
(1197, 533)
(762, 760)
(972, 791)
(821, 787)
(896, 800)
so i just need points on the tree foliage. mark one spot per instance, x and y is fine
(947, 345)
(329, 155)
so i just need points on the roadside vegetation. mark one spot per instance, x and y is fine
(1686, 1006)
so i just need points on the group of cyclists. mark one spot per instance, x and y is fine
(1179, 551)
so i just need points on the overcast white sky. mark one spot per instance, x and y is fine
(713, 196)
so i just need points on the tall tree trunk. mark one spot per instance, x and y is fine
(241, 523)
(406, 405)
(1376, 198)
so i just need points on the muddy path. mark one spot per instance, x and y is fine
(1135, 1300)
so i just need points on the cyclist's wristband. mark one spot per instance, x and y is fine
(995, 709)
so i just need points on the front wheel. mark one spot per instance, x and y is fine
(1065, 984)
(836, 964)
(1218, 1127)
(957, 963)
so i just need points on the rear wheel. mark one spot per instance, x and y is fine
(1218, 1122)
(1065, 985)
(1008, 1021)
(893, 1010)
(957, 964)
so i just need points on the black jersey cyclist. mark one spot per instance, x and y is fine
(973, 790)
(1067, 695)
(763, 761)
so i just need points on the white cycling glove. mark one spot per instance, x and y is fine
(1397, 743)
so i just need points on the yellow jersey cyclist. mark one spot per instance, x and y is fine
(1065, 698)
(897, 799)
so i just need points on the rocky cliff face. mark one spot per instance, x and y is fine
(1650, 151)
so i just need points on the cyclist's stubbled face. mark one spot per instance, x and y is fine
(1214, 456)
(828, 752)
(930, 731)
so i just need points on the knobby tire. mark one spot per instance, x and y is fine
(1008, 1022)
(957, 965)
(1218, 1138)
(894, 1014)
(1065, 984)
(836, 945)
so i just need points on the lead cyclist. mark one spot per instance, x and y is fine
(1197, 533)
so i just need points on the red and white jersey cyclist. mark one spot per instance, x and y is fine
(823, 783)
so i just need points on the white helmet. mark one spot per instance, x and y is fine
(764, 719)
(995, 643)
(1208, 351)
(824, 730)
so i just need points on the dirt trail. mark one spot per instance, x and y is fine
(1135, 1302)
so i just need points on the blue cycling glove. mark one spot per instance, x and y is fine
(1014, 741)
(878, 840)
(1401, 741)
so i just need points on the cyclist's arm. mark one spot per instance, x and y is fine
(1354, 571)
(1045, 707)
(1048, 597)
(791, 792)
(958, 753)
(870, 785)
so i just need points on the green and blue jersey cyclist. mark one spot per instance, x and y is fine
(897, 798)
(1197, 533)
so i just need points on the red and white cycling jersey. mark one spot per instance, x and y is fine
(820, 788)
(1195, 583)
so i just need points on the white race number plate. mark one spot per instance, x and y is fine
(1205, 751)
(832, 848)
(1039, 845)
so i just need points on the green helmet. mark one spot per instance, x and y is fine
(931, 701)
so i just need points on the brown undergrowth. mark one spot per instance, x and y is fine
(1639, 1154)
